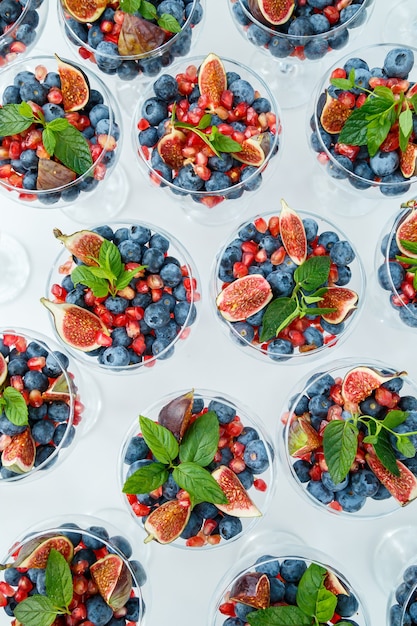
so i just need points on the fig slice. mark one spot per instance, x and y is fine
(166, 523)
(272, 12)
(212, 80)
(85, 10)
(407, 231)
(58, 390)
(252, 589)
(3, 369)
(334, 115)
(342, 299)
(254, 150)
(75, 87)
(113, 580)
(52, 175)
(83, 244)
(361, 381)
(176, 414)
(408, 160)
(293, 234)
(138, 36)
(333, 584)
(402, 487)
(244, 297)
(239, 502)
(34, 553)
(170, 148)
(302, 438)
(19, 455)
(77, 327)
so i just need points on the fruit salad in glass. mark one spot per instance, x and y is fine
(21, 25)
(348, 438)
(122, 296)
(207, 133)
(287, 286)
(197, 471)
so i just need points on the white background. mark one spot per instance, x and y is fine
(182, 582)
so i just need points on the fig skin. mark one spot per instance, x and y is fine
(361, 381)
(19, 455)
(244, 297)
(113, 580)
(239, 502)
(252, 589)
(302, 438)
(342, 299)
(402, 487)
(3, 369)
(138, 36)
(34, 553)
(75, 86)
(253, 150)
(176, 415)
(334, 115)
(293, 234)
(170, 148)
(53, 175)
(407, 231)
(272, 12)
(85, 10)
(166, 523)
(83, 244)
(212, 80)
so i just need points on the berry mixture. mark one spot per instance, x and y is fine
(105, 579)
(34, 428)
(141, 320)
(239, 456)
(305, 29)
(405, 609)
(210, 143)
(20, 26)
(131, 44)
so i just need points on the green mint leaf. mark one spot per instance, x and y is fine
(385, 93)
(49, 140)
(312, 299)
(394, 419)
(319, 310)
(341, 83)
(84, 276)
(377, 131)
(278, 314)
(354, 129)
(201, 440)
(409, 245)
(35, 611)
(72, 149)
(405, 120)
(58, 580)
(374, 106)
(413, 101)
(204, 122)
(25, 109)
(110, 259)
(313, 272)
(130, 6)
(12, 121)
(59, 123)
(279, 616)
(169, 23)
(126, 276)
(340, 443)
(405, 446)
(370, 439)
(223, 143)
(198, 483)
(312, 596)
(146, 478)
(160, 440)
(408, 260)
(15, 406)
(385, 453)
(148, 10)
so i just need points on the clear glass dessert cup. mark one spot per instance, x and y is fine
(275, 568)
(14, 263)
(104, 180)
(121, 590)
(149, 345)
(22, 26)
(291, 63)
(128, 72)
(258, 250)
(218, 205)
(363, 487)
(61, 405)
(347, 180)
(401, 23)
(247, 453)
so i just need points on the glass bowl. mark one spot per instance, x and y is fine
(138, 332)
(256, 248)
(364, 180)
(76, 538)
(291, 54)
(244, 449)
(277, 571)
(325, 469)
(22, 25)
(41, 431)
(210, 189)
(99, 121)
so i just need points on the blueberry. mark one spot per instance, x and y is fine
(229, 527)
(156, 315)
(76, 296)
(292, 570)
(154, 110)
(43, 452)
(364, 483)
(290, 595)
(342, 253)
(95, 539)
(261, 105)
(11, 95)
(188, 179)
(206, 510)
(76, 31)
(107, 57)
(267, 564)
(332, 486)
(122, 544)
(319, 405)
(43, 431)
(399, 62)
(29, 158)
(280, 47)
(242, 332)
(171, 274)
(148, 137)
(408, 403)
(246, 478)
(410, 575)
(115, 356)
(139, 572)
(408, 314)
(9, 428)
(276, 590)
(98, 612)
(55, 363)
(316, 49)
(349, 501)
(257, 35)
(116, 304)
(302, 469)
(58, 411)
(225, 413)
(137, 449)
(391, 275)
(347, 605)
(166, 87)
(311, 227)
(344, 275)
(99, 112)
(38, 412)
(242, 610)
(321, 493)
(256, 456)
(313, 337)
(153, 259)
(251, 177)
(34, 379)
(95, 35)
(26, 34)
(218, 181)
(62, 431)
(12, 576)
(173, 8)
(282, 283)
(130, 251)
(394, 184)
(159, 348)
(233, 621)
(384, 163)
(33, 90)
(139, 234)
(221, 163)
(280, 349)
(371, 407)
(10, 11)
(132, 609)
(320, 23)
(327, 239)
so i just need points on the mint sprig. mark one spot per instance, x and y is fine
(309, 279)
(148, 11)
(109, 275)
(14, 406)
(186, 460)
(370, 124)
(59, 137)
(40, 610)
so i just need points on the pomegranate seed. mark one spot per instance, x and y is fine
(377, 81)
(156, 295)
(209, 526)
(35, 398)
(25, 584)
(5, 440)
(195, 542)
(17, 382)
(351, 152)
(6, 589)
(103, 340)
(79, 584)
(237, 448)
(234, 428)
(213, 540)
(273, 225)
(261, 255)
(36, 362)
(3, 600)
(140, 510)
(360, 100)
(408, 290)
(332, 14)
(261, 225)
(240, 269)
(385, 397)
(17, 47)
(278, 256)
(120, 320)
(139, 345)
(79, 613)
(227, 608)
(260, 484)
(237, 465)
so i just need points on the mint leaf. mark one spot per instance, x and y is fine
(15, 406)
(341, 83)
(84, 276)
(146, 478)
(35, 611)
(394, 418)
(59, 123)
(385, 454)
(49, 140)
(405, 446)
(169, 23)
(148, 10)
(278, 314)
(413, 101)
(354, 131)
(72, 149)
(204, 122)
(340, 443)
(223, 143)
(199, 484)
(409, 245)
(377, 131)
(385, 93)
(110, 259)
(130, 6)
(25, 109)
(405, 120)
(58, 580)
(312, 596)
(279, 616)
(12, 122)
(201, 440)
(159, 439)
(313, 272)
(126, 276)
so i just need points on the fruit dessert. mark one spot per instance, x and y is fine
(58, 133)
(21, 24)
(364, 123)
(350, 439)
(287, 285)
(207, 131)
(404, 609)
(124, 296)
(297, 28)
(131, 38)
(397, 265)
(72, 575)
(39, 405)
(192, 475)
(289, 590)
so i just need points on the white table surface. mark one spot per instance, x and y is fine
(182, 582)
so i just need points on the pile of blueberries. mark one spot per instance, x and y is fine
(315, 28)
(255, 457)
(26, 17)
(405, 610)
(188, 14)
(360, 169)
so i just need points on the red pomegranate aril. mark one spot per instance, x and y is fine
(3, 600)
(103, 339)
(347, 98)
(16, 381)
(332, 14)
(240, 269)
(237, 465)
(408, 290)
(35, 398)
(227, 608)
(260, 484)
(6, 589)
(234, 428)
(195, 542)
(80, 584)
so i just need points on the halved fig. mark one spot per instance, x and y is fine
(407, 231)
(254, 150)
(113, 580)
(176, 414)
(75, 87)
(52, 175)
(361, 381)
(302, 438)
(3, 369)
(333, 584)
(293, 234)
(239, 502)
(77, 327)
(85, 10)
(342, 299)
(402, 487)
(244, 297)
(334, 115)
(34, 553)
(170, 148)
(166, 523)
(19, 455)
(212, 80)
(58, 390)
(138, 36)
(272, 12)
(252, 589)
(84, 244)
